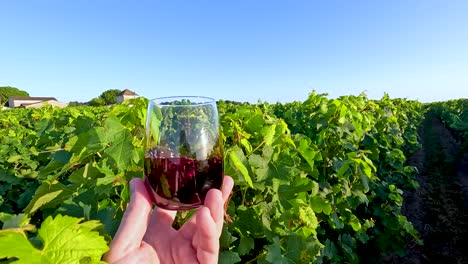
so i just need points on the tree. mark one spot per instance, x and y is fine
(106, 98)
(7, 91)
(76, 103)
(97, 102)
(110, 96)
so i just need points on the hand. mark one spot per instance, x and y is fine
(148, 237)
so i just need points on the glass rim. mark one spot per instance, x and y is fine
(205, 100)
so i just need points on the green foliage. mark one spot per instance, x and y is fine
(110, 96)
(75, 103)
(316, 182)
(63, 239)
(454, 115)
(97, 102)
(7, 91)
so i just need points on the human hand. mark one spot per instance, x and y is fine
(148, 237)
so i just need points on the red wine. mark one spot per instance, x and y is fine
(181, 183)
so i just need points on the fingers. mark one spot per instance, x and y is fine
(228, 184)
(134, 222)
(160, 226)
(144, 254)
(162, 218)
(215, 203)
(209, 221)
(206, 239)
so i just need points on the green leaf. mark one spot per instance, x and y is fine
(335, 222)
(61, 160)
(236, 156)
(246, 144)
(284, 168)
(14, 221)
(260, 166)
(274, 254)
(14, 158)
(228, 257)
(307, 152)
(250, 222)
(108, 218)
(246, 244)
(48, 196)
(360, 197)
(343, 169)
(65, 237)
(65, 240)
(80, 176)
(307, 216)
(62, 156)
(226, 238)
(330, 250)
(121, 148)
(320, 204)
(109, 177)
(268, 133)
(292, 190)
(16, 245)
(302, 250)
(354, 222)
(287, 193)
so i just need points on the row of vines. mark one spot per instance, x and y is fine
(319, 181)
(454, 115)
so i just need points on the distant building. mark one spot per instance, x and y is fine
(33, 102)
(126, 95)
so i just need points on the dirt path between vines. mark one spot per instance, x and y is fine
(439, 208)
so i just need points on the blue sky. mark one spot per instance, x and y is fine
(243, 50)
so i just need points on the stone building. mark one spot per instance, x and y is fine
(33, 102)
(126, 95)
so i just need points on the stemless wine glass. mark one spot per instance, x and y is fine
(183, 151)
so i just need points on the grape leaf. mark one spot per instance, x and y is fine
(107, 217)
(320, 204)
(226, 238)
(259, 165)
(354, 222)
(307, 152)
(330, 250)
(236, 156)
(307, 216)
(268, 133)
(274, 254)
(14, 221)
(120, 139)
(16, 245)
(48, 195)
(302, 249)
(335, 222)
(251, 222)
(246, 244)
(14, 158)
(65, 239)
(228, 257)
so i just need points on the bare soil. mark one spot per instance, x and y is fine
(439, 208)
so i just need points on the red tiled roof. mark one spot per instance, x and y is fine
(127, 92)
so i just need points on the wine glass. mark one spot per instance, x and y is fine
(183, 151)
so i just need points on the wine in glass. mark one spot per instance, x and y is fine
(183, 151)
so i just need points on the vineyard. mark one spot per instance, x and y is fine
(319, 181)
